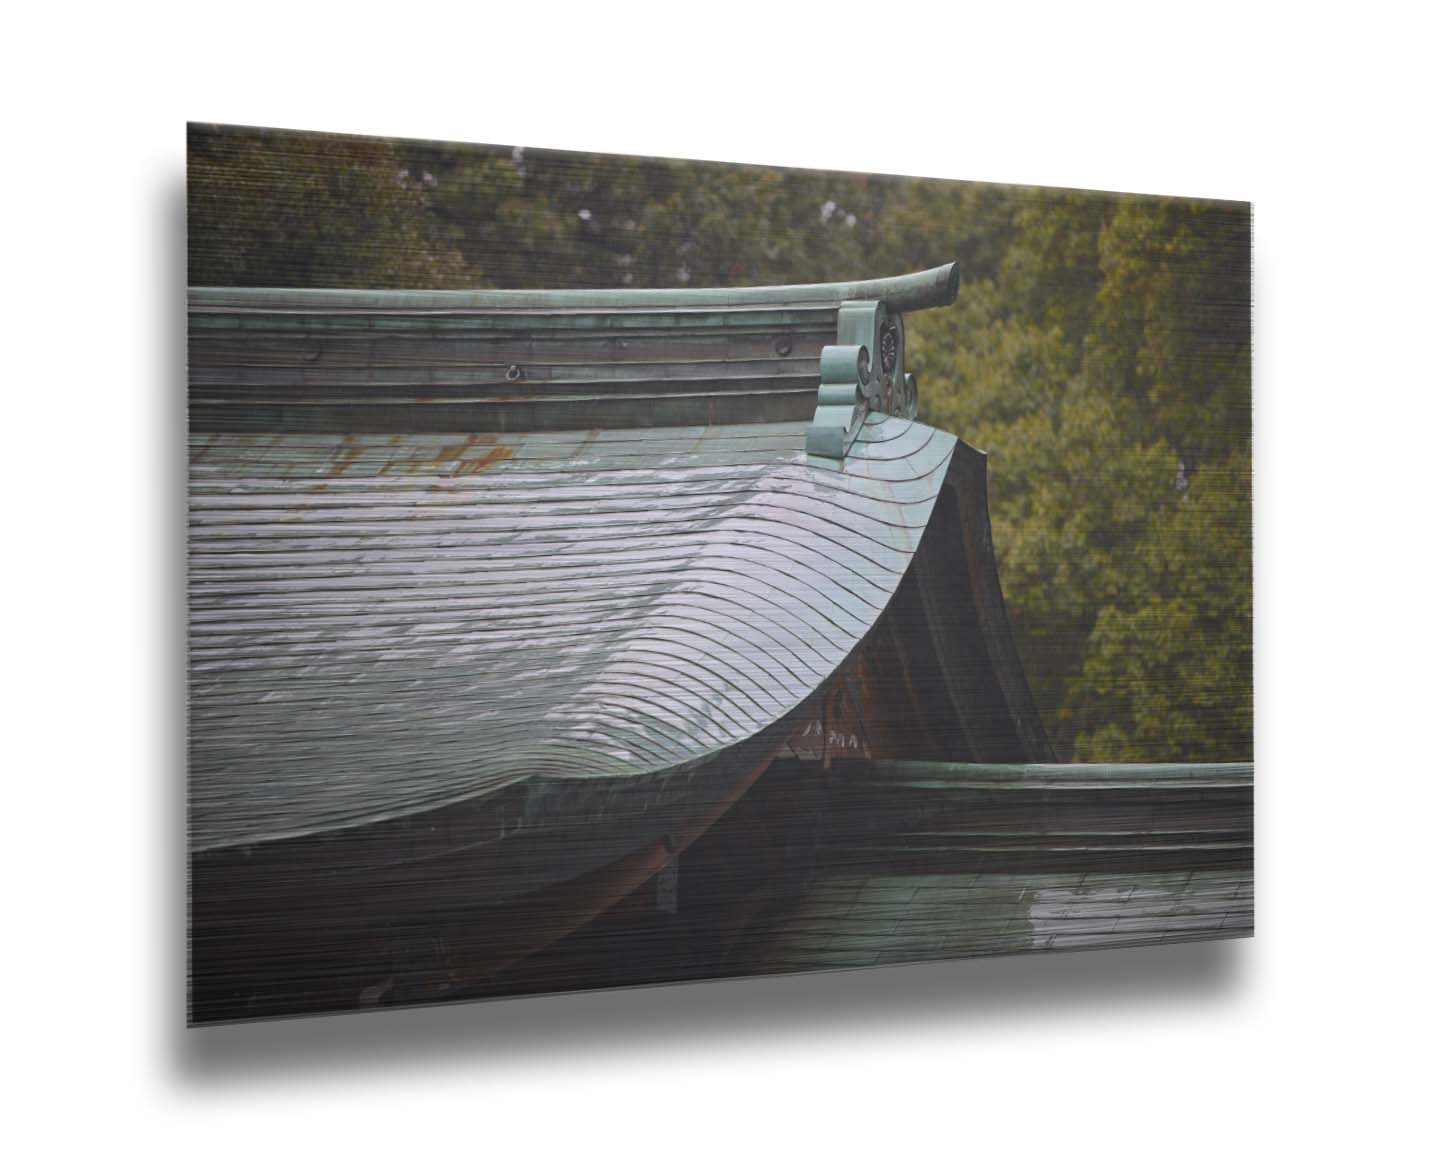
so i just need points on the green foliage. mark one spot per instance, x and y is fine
(1099, 352)
(1105, 368)
(289, 209)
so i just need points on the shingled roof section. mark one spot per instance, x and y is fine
(386, 624)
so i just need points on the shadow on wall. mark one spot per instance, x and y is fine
(539, 1030)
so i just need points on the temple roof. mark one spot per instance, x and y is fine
(446, 542)
(499, 602)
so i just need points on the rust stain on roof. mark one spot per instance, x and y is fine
(479, 463)
(345, 455)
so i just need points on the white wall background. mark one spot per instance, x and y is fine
(1321, 1031)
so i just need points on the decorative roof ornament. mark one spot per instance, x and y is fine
(864, 371)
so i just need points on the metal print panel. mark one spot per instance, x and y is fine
(607, 570)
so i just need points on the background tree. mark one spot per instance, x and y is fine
(290, 208)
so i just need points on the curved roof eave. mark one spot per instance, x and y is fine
(931, 288)
(388, 624)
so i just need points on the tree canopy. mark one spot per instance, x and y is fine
(1099, 352)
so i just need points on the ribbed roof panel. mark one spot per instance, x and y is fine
(384, 624)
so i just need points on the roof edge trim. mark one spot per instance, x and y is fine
(931, 288)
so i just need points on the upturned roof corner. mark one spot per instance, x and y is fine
(864, 370)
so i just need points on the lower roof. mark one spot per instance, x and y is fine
(386, 624)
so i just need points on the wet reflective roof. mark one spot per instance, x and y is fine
(382, 624)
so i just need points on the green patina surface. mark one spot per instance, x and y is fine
(931, 288)
(335, 360)
(927, 774)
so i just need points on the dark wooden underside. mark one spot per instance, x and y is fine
(857, 862)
